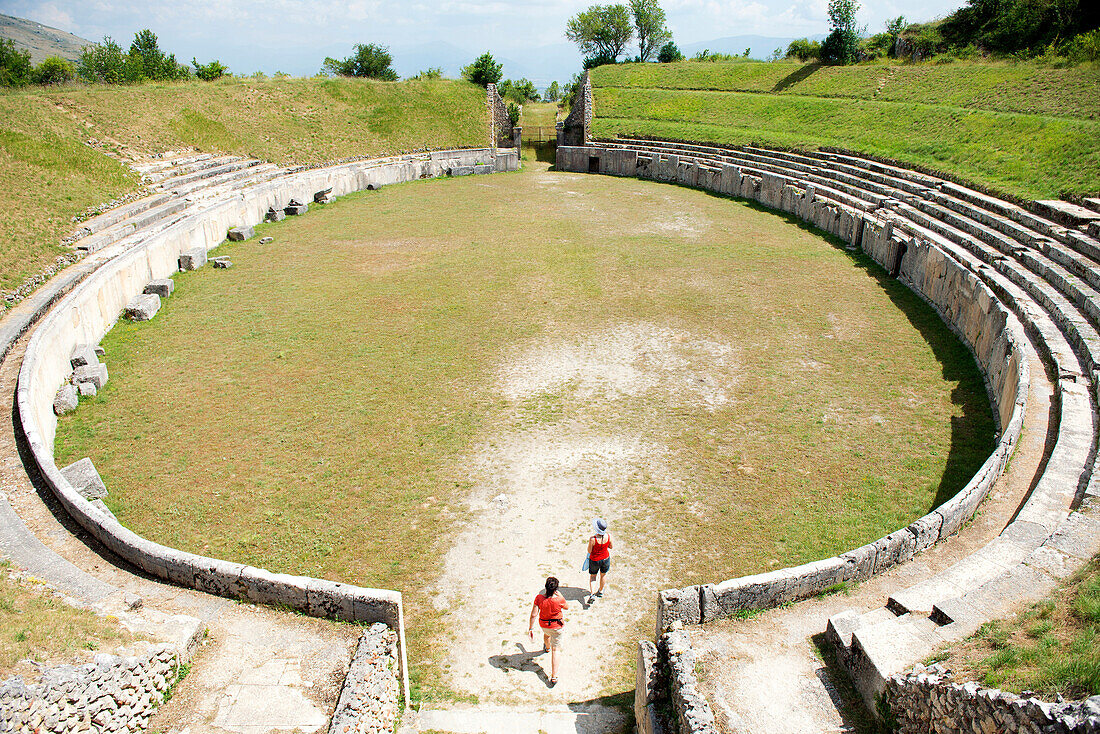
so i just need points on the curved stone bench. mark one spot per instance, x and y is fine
(93, 306)
(1045, 274)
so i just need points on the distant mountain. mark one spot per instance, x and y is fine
(760, 47)
(41, 40)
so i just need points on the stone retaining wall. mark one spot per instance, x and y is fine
(924, 701)
(575, 129)
(500, 124)
(693, 713)
(966, 305)
(84, 315)
(110, 694)
(368, 700)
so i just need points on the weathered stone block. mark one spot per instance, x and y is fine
(240, 234)
(82, 355)
(143, 307)
(330, 599)
(85, 479)
(192, 259)
(677, 605)
(222, 262)
(215, 576)
(162, 287)
(87, 390)
(295, 208)
(274, 215)
(265, 240)
(260, 586)
(323, 197)
(94, 373)
(372, 186)
(66, 399)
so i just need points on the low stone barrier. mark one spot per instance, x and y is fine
(693, 713)
(964, 303)
(93, 306)
(110, 694)
(368, 700)
(924, 701)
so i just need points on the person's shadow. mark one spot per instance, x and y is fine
(522, 661)
(575, 593)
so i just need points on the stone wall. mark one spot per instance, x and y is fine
(368, 700)
(501, 134)
(93, 306)
(924, 701)
(112, 693)
(966, 305)
(693, 713)
(575, 129)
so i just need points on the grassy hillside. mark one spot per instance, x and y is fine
(1030, 131)
(48, 174)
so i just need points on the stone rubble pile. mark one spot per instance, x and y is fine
(368, 701)
(925, 701)
(88, 377)
(111, 694)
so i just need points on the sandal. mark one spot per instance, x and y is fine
(553, 682)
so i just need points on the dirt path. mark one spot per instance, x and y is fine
(538, 488)
(765, 675)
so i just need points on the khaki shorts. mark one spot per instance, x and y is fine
(554, 635)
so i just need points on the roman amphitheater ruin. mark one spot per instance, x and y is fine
(1019, 285)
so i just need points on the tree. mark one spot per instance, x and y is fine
(841, 46)
(484, 70)
(53, 70)
(370, 61)
(804, 50)
(601, 32)
(894, 27)
(669, 52)
(15, 65)
(520, 92)
(553, 92)
(147, 61)
(210, 71)
(649, 23)
(102, 63)
(513, 113)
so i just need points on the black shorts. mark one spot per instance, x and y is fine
(595, 567)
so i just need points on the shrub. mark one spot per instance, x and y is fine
(210, 71)
(370, 61)
(484, 70)
(432, 72)
(54, 70)
(15, 65)
(147, 61)
(804, 50)
(669, 53)
(591, 62)
(102, 63)
(1084, 47)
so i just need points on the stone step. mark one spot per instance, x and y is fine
(143, 220)
(234, 176)
(169, 161)
(116, 215)
(180, 184)
(190, 167)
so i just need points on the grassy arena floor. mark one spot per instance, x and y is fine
(316, 408)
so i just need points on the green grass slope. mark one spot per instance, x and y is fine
(1027, 130)
(48, 174)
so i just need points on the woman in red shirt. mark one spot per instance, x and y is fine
(599, 557)
(549, 610)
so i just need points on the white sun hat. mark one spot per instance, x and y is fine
(600, 526)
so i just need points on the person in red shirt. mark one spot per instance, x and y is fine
(599, 558)
(549, 610)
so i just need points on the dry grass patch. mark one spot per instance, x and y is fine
(36, 625)
(1050, 648)
(321, 407)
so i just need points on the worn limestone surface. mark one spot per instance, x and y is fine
(369, 700)
(192, 259)
(142, 307)
(161, 287)
(113, 693)
(240, 234)
(85, 479)
(66, 399)
(925, 701)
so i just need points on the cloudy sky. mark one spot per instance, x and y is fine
(295, 35)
